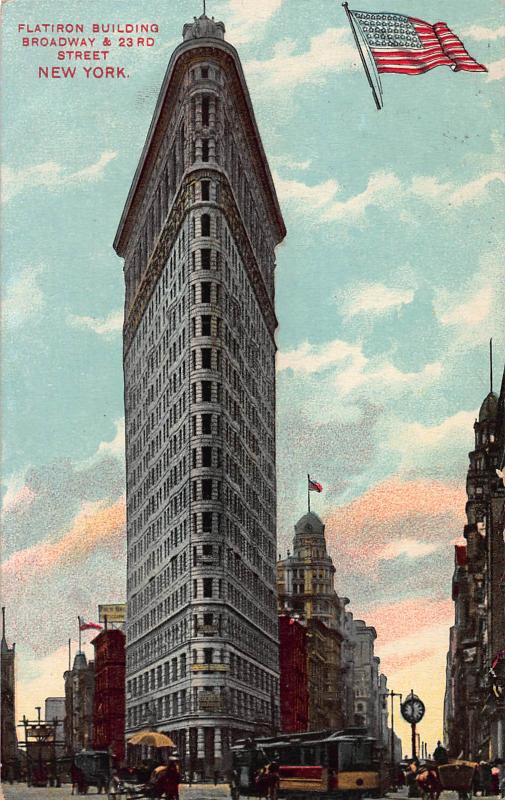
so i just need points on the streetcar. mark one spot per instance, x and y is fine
(319, 764)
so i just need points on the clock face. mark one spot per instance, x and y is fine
(413, 709)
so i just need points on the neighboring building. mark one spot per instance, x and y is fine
(198, 235)
(306, 589)
(109, 696)
(293, 677)
(347, 664)
(79, 690)
(8, 688)
(474, 717)
(365, 676)
(55, 710)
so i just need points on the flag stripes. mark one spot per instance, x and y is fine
(390, 38)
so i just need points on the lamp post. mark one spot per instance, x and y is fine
(392, 695)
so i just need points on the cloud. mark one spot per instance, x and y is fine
(51, 175)
(411, 548)
(116, 447)
(435, 450)
(290, 163)
(328, 52)
(320, 202)
(496, 71)
(24, 298)
(480, 33)
(95, 526)
(246, 19)
(422, 510)
(355, 371)
(399, 620)
(103, 327)
(450, 194)
(17, 501)
(473, 311)
(40, 502)
(308, 358)
(372, 299)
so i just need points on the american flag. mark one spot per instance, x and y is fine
(411, 46)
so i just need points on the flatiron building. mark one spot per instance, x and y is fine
(197, 235)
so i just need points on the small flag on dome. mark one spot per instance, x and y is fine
(87, 626)
(314, 486)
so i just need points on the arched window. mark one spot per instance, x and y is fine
(205, 224)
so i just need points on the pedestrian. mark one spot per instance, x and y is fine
(486, 778)
(75, 778)
(171, 780)
(216, 777)
(440, 755)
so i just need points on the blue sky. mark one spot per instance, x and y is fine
(389, 285)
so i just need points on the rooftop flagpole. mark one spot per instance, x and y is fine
(491, 364)
(363, 60)
(308, 492)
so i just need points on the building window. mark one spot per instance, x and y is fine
(206, 391)
(207, 587)
(207, 521)
(205, 72)
(205, 190)
(205, 258)
(206, 320)
(207, 655)
(205, 149)
(205, 224)
(205, 110)
(206, 358)
(206, 490)
(205, 292)
(206, 456)
(206, 423)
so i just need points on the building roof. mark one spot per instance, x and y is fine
(309, 523)
(489, 408)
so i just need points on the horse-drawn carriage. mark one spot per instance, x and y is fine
(457, 776)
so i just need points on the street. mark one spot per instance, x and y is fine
(19, 791)
(199, 791)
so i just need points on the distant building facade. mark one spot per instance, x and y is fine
(474, 714)
(109, 701)
(293, 675)
(8, 690)
(55, 710)
(79, 691)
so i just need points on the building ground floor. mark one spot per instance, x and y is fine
(204, 749)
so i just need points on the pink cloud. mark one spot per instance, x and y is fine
(18, 501)
(95, 526)
(405, 618)
(424, 511)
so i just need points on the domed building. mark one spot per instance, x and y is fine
(306, 592)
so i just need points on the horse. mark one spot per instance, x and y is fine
(427, 781)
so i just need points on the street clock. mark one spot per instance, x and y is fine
(413, 709)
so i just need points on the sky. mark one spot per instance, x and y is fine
(388, 287)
